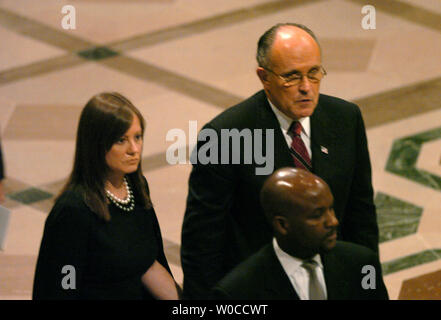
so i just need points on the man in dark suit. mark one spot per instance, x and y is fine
(224, 222)
(299, 206)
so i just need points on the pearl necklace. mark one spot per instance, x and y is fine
(124, 204)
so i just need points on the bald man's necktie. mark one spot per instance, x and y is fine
(316, 291)
(298, 148)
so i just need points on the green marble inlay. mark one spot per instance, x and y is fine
(30, 195)
(396, 218)
(97, 53)
(404, 155)
(411, 261)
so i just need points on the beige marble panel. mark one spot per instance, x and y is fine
(380, 141)
(430, 233)
(215, 57)
(9, 203)
(399, 57)
(76, 85)
(44, 206)
(21, 50)
(12, 185)
(172, 81)
(41, 31)
(40, 68)
(169, 188)
(208, 23)
(342, 19)
(430, 5)
(405, 127)
(356, 85)
(7, 109)
(54, 187)
(401, 247)
(408, 54)
(347, 55)
(406, 189)
(405, 11)
(400, 103)
(17, 276)
(225, 57)
(430, 222)
(42, 122)
(169, 111)
(39, 162)
(110, 21)
(25, 231)
(429, 158)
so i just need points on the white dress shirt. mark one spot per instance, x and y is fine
(285, 123)
(298, 275)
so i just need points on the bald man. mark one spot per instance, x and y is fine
(299, 206)
(224, 222)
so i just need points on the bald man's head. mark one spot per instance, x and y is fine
(299, 206)
(290, 69)
(266, 41)
(290, 187)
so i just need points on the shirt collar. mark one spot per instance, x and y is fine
(289, 263)
(285, 121)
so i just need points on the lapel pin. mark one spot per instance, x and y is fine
(324, 149)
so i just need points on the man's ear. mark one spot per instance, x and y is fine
(263, 75)
(281, 224)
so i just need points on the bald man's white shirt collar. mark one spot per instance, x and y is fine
(298, 276)
(285, 123)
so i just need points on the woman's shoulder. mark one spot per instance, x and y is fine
(70, 206)
(70, 198)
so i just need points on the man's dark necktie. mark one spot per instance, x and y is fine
(298, 148)
(316, 291)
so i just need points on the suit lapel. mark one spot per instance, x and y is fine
(277, 284)
(337, 285)
(323, 138)
(266, 119)
(322, 142)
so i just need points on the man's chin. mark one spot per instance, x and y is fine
(305, 110)
(328, 245)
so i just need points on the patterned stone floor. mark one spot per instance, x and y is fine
(182, 60)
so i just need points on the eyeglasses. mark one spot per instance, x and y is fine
(295, 78)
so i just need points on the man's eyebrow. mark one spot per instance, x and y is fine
(290, 73)
(318, 210)
(295, 71)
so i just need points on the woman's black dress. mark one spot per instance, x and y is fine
(83, 257)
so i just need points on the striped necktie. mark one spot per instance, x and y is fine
(298, 148)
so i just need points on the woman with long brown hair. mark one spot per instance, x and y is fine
(102, 239)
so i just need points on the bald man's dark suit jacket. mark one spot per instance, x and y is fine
(262, 277)
(224, 223)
